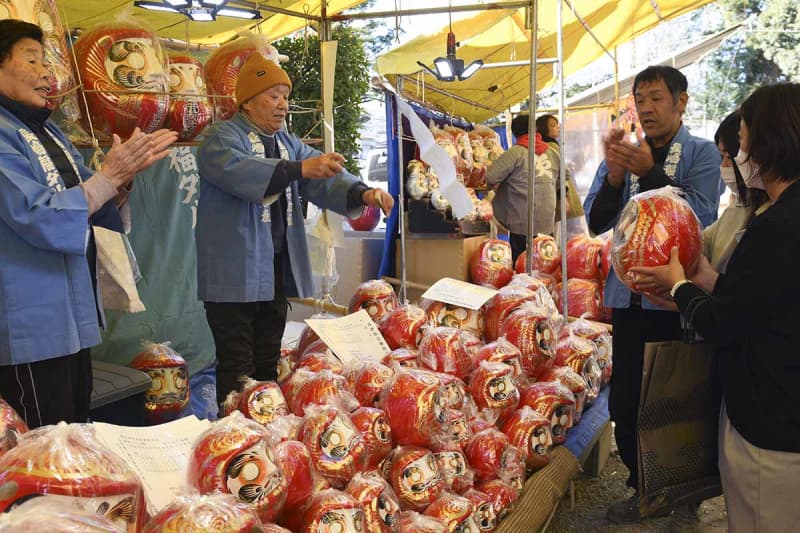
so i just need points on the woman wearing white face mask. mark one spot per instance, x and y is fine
(752, 314)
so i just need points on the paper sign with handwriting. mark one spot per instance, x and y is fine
(351, 337)
(158, 454)
(455, 292)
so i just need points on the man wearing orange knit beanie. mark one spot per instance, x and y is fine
(251, 241)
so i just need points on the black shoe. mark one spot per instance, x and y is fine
(624, 512)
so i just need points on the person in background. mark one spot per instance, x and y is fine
(548, 127)
(251, 241)
(667, 154)
(751, 313)
(50, 309)
(509, 175)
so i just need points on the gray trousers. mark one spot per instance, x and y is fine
(760, 486)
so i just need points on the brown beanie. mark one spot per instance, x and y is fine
(258, 74)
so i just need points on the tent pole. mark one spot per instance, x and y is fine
(403, 294)
(534, 14)
(562, 165)
(428, 11)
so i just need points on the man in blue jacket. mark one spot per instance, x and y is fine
(667, 155)
(251, 241)
(50, 308)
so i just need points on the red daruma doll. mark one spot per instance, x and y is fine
(651, 224)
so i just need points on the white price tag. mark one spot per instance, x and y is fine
(455, 292)
(351, 337)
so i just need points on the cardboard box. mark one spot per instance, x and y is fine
(432, 257)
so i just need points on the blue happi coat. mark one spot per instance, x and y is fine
(234, 233)
(47, 304)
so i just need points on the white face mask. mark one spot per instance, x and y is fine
(729, 178)
(749, 170)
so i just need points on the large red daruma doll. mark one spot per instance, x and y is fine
(333, 510)
(189, 107)
(584, 257)
(490, 265)
(584, 298)
(415, 403)
(223, 66)
(416, 477)
(401, 327)
(501, 305)
(530, 329)
(546, 258)
(169, 391)
(210, 513)
(375, 296)
(67, 463)
(441, 350)
(44, 13)
(123, 69)
(651, 224)
(235, 456)
(381, 506)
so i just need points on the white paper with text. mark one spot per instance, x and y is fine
(351, 337)
(158, 454)
(461, 293)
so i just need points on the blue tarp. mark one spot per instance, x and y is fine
(593, 420)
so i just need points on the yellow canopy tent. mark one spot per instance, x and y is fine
(86, 13)
(497, 36)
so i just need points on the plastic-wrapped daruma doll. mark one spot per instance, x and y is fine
(124, 73)
(443, 314)
(530, 329)
(375, 432)
(490, 265)
(381, 506)
(11, 427)
(555, 402)
(333, 510)
(546, 257)
(529, 431)
(415, 477)
(66, 463)
(501, 305)
(337, 447)
(189, 108)
(169, 391)
(441, 350)
(455, 511)
(262, 401)
(484, 515)
(650, 225)
(55, 516)
(415, 403)
(235, 456)
(376, 296)
(401, 327)
(222, 513)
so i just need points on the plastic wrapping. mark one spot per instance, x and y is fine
(11, 427)
(443, 314)
(418, 182)
(491, 141)
(480, 158)
(230, 403)
(464, 148)
(650, 225)
(262, 401)
(413, 522)
(376, 433)
(545, 256)
(441, 350)
(501, 305)
(337, 447)
(484, 516)
(457, 427)
(333, 510)
(124, 73)
(169, 391)
(67, 463)
(584, 297)
(581, 355)
(485, 453)
(492, 386)
(401, 327)
(453, 464)
(236, 456)
(376, 296)
(583, 257)
(205, 514)
(553, 401)
(316, 361)
(534, 281)
(490, 265)
(45, 514)
(529, 431)
(575, 383)
(455, 390)
(415, 477)
(405, 357)
(366, 379)
(447, 143)
(322, 388)
(302, 480)
(502, 494)
(415, 403)
(455, 511)
(601, 339)
(380, 503)
(500, 351)
(285, 427)
(190, 109)
(512, 470)
(223, 66)
(530, 329)
(315, 346)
